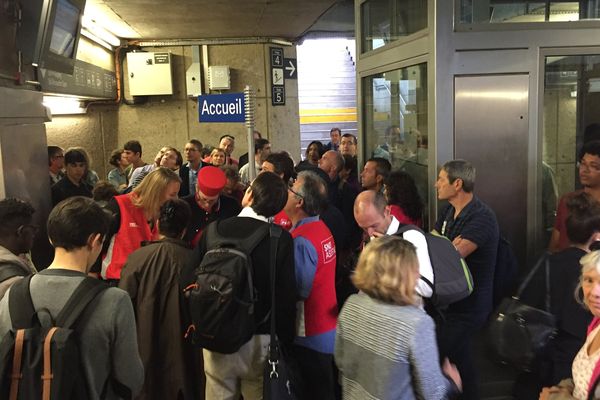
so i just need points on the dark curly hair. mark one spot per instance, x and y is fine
(402, 191)
(173, 218)
(584, 217)
(14, 213)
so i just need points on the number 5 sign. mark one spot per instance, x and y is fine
(278, 95)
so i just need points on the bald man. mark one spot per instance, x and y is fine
(373, 215)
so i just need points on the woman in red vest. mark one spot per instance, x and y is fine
(135, 216)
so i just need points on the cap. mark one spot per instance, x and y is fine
(211, 180)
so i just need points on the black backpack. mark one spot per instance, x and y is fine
(221, 300)
(452, 280)
(40, 358)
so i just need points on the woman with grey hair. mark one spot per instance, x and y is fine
(586, 366)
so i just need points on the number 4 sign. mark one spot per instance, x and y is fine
(276, 57)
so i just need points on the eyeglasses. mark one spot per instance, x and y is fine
(589, 167)
(295, 193)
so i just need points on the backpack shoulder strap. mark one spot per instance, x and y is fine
(407, 227)
(83, 295)
(255, 238)
(20, 305)
(10, 270)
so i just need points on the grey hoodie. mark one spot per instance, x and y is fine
(6, 257)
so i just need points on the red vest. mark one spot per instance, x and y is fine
(282, 219)
(134, 229)
(320, 308)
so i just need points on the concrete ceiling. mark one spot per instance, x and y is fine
(200, 19)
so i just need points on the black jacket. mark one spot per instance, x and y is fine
(184, 174)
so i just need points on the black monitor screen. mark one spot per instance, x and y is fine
(65, 32)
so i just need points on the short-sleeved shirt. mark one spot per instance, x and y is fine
(476, 223)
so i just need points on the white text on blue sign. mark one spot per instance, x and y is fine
(228, 107)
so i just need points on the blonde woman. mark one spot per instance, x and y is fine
(385, 344)
(586, 366)
(135, 215)
(217, 157)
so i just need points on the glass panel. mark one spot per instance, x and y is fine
(500, 11)
(384, 21)
(395, 124)
(571, 101)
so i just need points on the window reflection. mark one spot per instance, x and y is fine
(571, 101)
(500, 11)
(395, 125)
(384, 21)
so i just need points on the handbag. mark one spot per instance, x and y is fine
(518, 334)
(277, 375)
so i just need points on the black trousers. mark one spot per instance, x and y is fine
(455, 341)
(316, 374)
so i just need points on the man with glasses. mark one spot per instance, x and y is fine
(56, 162)
(315, 258)
(208, 204)
(589, 177)
(16, 239)
(188, 172)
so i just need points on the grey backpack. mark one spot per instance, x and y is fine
(452, 280)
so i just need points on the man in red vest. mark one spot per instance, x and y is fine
(315, 258)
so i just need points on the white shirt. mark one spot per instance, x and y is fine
(583, 367)
(245, 172)
(249, 212)
(425, 269)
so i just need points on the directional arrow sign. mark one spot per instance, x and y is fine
(289, 70)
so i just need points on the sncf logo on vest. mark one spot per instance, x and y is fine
(328, 247)
(228, 107)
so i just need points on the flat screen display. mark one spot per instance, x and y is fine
(64, 33)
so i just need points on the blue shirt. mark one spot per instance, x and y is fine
(306, 260)
(477, 223)
(193, 174)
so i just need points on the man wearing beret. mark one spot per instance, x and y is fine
(208, 204)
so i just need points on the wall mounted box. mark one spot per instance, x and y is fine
(218, 77)
(149, 74)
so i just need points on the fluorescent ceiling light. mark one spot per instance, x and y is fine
(99, 32)
(63, 105)
(96, 39)
(104, 16)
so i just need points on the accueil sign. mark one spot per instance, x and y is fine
(228, 107)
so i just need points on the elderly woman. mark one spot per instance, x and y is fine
(385, 344)
(586, 366)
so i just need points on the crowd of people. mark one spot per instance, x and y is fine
(353, 297)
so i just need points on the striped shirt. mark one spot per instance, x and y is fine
(387, 351)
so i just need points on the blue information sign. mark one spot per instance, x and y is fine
(228, 107)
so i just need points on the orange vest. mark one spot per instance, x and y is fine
(133, 230)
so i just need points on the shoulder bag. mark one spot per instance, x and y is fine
(518, 334)
(277, 376)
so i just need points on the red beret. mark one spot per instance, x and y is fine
(211, 180)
